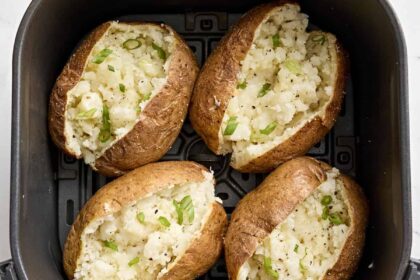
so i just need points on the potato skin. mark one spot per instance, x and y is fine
(217, 82)
(260, 211)
(159, 123)
(137, 184)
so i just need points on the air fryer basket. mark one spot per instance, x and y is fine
(369, 140)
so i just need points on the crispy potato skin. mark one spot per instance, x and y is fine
(137, 184)
(217, 82)
(259, 212)
(159, 123)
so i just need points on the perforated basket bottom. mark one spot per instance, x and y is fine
(77, 182)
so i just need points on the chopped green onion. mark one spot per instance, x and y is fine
(164, 222)
(320, 38)
(140, 217)
(111, 245)
(179, 212)
(122, 87)
(325, 213)
(301, 267)
(105, 132)
(269, 128)
(146, 96)
(326, 200)
(263, 91)
(160, 51)
(296, 248)
(134, 261)
(86, 114)
(111, 68)
(242, 85)
(186, 202)
(293, 66)
(185, 205)
(268, 268)
(335, 219)
(276, 41)
(101, 56)
(231, 126)
(131, 44)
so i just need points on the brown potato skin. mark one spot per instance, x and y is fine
(203, 251)
(159, 123)
(137, 184)
(217, 81)
(261, 210)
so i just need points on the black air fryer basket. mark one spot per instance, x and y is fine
(369, 141)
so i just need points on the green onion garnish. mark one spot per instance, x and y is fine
(131, 44)
(164, 222)
(231, 126)
(335, 219)
(296, 248)
(146, 96)
(276, 41)
(160, 51)
(179, 212)
(326, 200)
(111, 245)
(293, 66)
(263, 91)
(140, 217)
(134, 261)
(242, 85)
(325, 213)
(184, 206)
(86, 114)
(268, 268)
(101, 56)
(269, 128)
(111, 68)
(320, 38)
(122, 87)
(105, 132)
(301, 267)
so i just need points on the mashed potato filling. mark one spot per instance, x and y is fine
(124, 71)
(285, 80)
(309, 241)
(145, 238)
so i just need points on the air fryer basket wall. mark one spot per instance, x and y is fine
(369, 141)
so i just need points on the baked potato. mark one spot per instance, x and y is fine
(120, 101)
(160, 221)
(305, 221)
(270, 90)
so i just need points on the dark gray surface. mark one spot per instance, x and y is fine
(369, 141)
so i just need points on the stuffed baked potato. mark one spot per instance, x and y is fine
(305, 221)
(121, 100)
(270, 90)
(160, 221)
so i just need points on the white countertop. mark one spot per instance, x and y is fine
(12, 12)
